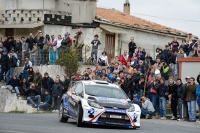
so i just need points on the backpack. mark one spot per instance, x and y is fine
(198, 91)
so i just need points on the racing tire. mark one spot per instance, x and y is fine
(79, 122)
(60, 115)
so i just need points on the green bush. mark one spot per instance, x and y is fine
(69, 59)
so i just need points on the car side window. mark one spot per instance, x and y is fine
(73, 87)
(79, 88)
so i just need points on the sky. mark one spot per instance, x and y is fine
(183, 15)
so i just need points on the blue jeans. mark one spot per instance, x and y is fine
(154, 99)
(145, 112)
(3, 70)
(44, 106)
(94, 52)
(180, 107)
(34, 60)
(59, 53)
(192, 110)
(131, 54)
(41, 55)
(141, 93)
(10, 88)
(32, 99)
(25, 75)
(9, 74)
(162, 103)
(52, 57)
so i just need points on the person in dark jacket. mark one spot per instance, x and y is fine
(3, 63)
(37, 79)
(174, 44)
(65, 43)
(160, 55)
(173, 95)
(33, 95)
(141, 67)
(131, 46)
(180, 94)
(40, 44)
(167, 54)
(30, 40)
(198, 78)
(149, 59)
(6, 43)
(66, 83)
(47, 82)
(56, 95)
(13, 85)
(47, 102)
(18, 49)
(23, 86)
(128, 86)
(11, 66)
(163, 91)
(190, 90)
(141, 85)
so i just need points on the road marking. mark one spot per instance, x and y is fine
(6, 131)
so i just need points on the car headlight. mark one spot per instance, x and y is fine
(131, 109)
(94, 104)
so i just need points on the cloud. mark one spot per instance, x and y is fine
(184, 9)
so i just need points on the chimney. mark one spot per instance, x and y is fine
(127, 7)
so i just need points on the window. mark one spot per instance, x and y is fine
(10, 32)
(79, 88)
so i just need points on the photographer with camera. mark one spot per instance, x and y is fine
(147, 108)
(190, 89)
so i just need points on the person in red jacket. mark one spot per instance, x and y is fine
(124, 59)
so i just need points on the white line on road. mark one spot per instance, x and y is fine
(6, 131)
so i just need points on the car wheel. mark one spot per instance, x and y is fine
(61, 118)
(79, 122)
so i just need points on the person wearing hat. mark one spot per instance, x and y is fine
(65, 44)
(79, 42)
(3, 63)
(135, 99)
(95, 44)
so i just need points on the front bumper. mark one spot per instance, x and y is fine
(103, 117)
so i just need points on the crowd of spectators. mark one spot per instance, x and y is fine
(147, 81)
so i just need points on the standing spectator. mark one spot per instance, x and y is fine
(95, 44)
(40, 44)
(31, 40)
(79, 42)
(190, 90)
(164, 70)
(18, 49)
(149, 59)
(167, 54)
(124, 59)
(65, 44)
(139, 54)
(46, 105)
(147, 109)
(174, 63)
(53, 48)
(56, 95)
(13, 85)
(193, 52)
(173, 95)
(25, 50)
(143, 54)
(128, 86)
(46, 49)
(26, 68)
(6, 43)
(174, 44)
(47, 82)
(59, 46)
(180, 97)
(34, 54)
(66, 83)
(162, 93)
(4, 64)
(141, 86)
(103, 59)
(38, 79)
(12, 61)
(184, 46)
(131, 46)
(160, 55)
(32, 95)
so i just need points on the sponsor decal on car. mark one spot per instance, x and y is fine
(135, 116)
(91, 111)
(115, 110)
(72, 102)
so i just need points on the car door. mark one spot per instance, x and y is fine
(78, 95)
(71, 102)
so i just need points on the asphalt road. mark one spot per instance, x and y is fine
(48, 123)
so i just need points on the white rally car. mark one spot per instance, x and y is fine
(99, 102)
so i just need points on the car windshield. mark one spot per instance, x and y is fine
(105, 91)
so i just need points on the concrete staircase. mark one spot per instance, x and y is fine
(10, 102)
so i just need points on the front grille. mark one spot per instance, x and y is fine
(114, 120)
(120, 121)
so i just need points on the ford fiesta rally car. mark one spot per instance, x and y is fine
(99, 102)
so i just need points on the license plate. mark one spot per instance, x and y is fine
(115, 116)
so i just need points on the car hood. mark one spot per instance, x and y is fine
(113, 102)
